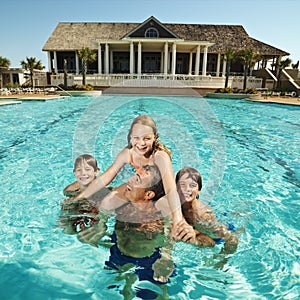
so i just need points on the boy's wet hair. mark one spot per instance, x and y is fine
(156, 183)
(192, 173)
(89, 159)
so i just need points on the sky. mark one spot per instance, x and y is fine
(25, 25)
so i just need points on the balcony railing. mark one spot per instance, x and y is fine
(154, 80)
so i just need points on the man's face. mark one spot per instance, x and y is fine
(137, 185)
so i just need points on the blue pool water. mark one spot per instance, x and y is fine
(248, 154)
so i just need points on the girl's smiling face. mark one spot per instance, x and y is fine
(188, 189)
(84, 174)
(142, 139)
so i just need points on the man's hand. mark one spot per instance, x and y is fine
(185, 232)
(163, 269)
(93, 234)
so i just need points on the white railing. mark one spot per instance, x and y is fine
(144, 80)
(252, 82)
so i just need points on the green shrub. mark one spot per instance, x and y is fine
(235, 90)
(86, 87)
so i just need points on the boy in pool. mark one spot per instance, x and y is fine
(198, 214)
(78, 215)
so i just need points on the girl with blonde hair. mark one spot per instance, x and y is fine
(143, 148)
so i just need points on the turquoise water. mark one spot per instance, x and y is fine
(248, 154)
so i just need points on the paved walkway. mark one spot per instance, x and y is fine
(18, 98)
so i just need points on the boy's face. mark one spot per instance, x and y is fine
(187, 188)
(137, 184)
(84, 174)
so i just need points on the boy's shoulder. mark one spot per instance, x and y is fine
(72, 189)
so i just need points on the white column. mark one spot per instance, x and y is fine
(76, 62)
(99, 59)
(191, 63)
(224, 67)
(55, 62)
(106, 60)
(197, 63)
(161, 62)
(204, 64)
(218, 65)
(111, 59)
(139, 63)
(131, 59)
(166, 59)
(49, 62)
(173, 59)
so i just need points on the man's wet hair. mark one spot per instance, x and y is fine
(156, 183)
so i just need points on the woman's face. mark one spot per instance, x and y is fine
(84, 174)
(142, 139)
(187, 188)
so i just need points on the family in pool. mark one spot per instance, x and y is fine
(152, 210)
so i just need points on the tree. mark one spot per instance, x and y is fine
(281, 66)
(248, 58)
(32, 64)
(229, 56)
(86, 55)
(4, 64)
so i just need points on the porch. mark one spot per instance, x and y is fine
(156, 80)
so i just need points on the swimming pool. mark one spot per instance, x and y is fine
(248, 154)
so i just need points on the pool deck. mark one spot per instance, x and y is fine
(18, 98)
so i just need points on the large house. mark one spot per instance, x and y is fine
(151, 50)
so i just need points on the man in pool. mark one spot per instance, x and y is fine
(141, 237)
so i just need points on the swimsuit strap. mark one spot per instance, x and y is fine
(131, 161)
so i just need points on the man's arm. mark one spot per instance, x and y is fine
(115, 199)
(164, 266)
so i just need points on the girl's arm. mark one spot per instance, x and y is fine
(107, 177)
(164, 164)
(115, 199)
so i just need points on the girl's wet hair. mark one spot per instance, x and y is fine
(89, 159)
(148, 121)
(192, 173)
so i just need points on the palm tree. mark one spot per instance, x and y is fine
(32, 64)
(229, 56)
(248, 58)
(281, 66)
(4, 64)
(86, 55)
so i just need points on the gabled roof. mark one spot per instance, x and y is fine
(73, 36)
(151, 23)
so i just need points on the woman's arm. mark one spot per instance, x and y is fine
(105, 178)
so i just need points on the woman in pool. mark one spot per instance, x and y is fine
(198, 214)
(143, 148)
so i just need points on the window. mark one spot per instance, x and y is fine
(151, 33)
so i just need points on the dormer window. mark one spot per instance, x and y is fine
(151, 33)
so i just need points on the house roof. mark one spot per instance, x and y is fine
(73, 36)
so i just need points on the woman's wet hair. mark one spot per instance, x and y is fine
(89, 159)
(148, 121)
(192, 173)
(156, 183)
